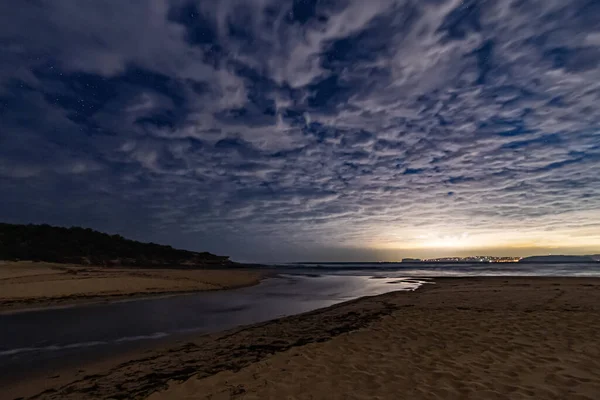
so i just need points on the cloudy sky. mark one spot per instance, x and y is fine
(279, 130)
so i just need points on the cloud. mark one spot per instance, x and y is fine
(258, 128)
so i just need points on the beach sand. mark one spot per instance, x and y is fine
(33, 285)
(467, 338)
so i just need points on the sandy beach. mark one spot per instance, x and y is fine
(38, 285)
(479, 338)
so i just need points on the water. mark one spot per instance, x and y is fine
(449, 270)
(44, 339)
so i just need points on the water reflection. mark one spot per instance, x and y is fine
(46, 337)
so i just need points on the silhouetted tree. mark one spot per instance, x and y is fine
(86, 246)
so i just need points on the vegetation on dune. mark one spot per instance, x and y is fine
(86, 246)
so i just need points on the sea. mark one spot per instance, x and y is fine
(35, 341)
(421, 269)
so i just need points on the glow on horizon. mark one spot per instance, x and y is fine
(465, 241)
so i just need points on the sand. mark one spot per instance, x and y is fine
(471, 338)
(35, 285)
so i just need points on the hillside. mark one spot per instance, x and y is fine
(86, 246)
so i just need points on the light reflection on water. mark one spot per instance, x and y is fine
(448, 270)
(47, 337)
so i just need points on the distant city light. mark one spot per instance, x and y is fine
(471, 259)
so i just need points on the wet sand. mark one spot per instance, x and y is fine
(480, 338)
(26, 285)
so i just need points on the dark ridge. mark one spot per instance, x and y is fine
(86, 246)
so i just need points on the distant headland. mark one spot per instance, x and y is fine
(89, 247)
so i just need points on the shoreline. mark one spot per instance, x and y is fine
(109, 299)
(28, 287)
(170, 365)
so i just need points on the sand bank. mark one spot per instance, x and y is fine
(466, 338)
(35, 285)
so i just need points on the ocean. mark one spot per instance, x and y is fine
(442, 269)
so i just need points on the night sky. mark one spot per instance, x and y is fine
(274, 130)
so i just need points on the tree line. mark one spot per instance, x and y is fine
(86, 246)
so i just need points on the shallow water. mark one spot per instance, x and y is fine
(43, 339)
(39, 341)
